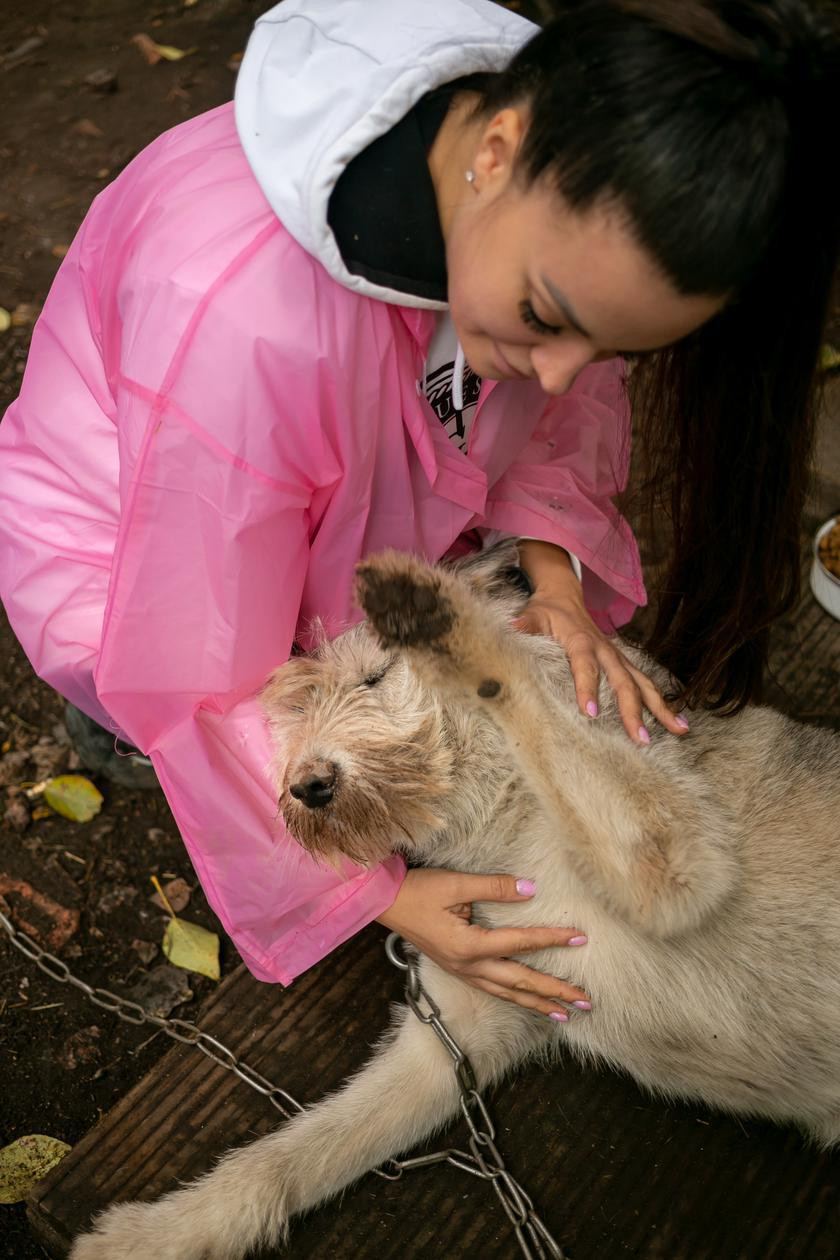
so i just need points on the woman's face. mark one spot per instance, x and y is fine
(537, 290)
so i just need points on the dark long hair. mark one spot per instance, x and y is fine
(703, 121)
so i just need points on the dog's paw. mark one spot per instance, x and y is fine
(404, 601)
(449, 631)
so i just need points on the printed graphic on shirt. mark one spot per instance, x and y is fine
(439, 395)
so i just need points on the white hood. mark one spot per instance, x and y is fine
(321, 79)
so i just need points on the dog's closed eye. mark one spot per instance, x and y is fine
(376, 676)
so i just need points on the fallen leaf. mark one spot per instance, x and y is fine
(5, 320)
(192, 947)
(22, 51)
(25, 1162)
(162, 989)
(175, 54)
(58, 251)
(119, 895)
(159, 52)
(87, 127)
(16, 815)
(177, 893)
(73, 796)
(80, 1047)
(187, 945)
(145, 950)
(24, 314)
(102, 80)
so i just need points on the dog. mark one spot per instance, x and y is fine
(704, 870)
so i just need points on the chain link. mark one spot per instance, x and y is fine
(485, 1161)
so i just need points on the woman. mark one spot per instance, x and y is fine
(246, 378)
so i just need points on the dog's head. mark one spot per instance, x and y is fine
(362, 751)
(367, 758)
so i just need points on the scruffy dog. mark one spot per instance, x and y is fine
(704, 870)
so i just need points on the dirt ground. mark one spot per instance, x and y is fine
(63, 136)
(79, 100)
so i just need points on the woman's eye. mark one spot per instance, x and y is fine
(532, 320)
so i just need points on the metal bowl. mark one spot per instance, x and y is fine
(825, 585)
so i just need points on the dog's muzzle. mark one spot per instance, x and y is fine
(316, 787)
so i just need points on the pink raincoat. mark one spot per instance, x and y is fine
(211, 432)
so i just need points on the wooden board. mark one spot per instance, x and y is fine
(613, 1172)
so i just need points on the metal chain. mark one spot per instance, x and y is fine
(532, 1235)
(485, 1161)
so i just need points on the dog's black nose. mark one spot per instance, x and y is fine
(316, 787)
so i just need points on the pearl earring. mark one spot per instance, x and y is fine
(469, 176)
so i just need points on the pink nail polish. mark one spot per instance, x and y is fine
(591, 708)
(559, 1017)
(583, 1006)
(681, 722)
(526, 887)
(644, 734)
(578, 940)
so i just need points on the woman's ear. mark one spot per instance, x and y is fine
(495, 157)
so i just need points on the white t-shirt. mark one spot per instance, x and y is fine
(451, 389)
(450, 385)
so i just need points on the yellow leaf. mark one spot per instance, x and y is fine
(73, 796)
(192, 947)
(174, 54)
(829, 358)
(25, 1162)
(153, 52)
(5, 320)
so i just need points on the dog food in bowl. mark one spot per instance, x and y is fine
(828, 550)
(825, 571)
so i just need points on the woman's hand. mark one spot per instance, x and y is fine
(433, 910)
(557, 609)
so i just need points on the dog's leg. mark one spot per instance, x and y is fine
(653, 846)
(406, 1092)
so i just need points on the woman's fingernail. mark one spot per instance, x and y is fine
(681, 722)
(559, 1017)
(526, 887)
(591, 708)
(644, 734)
(578, 940)
(583, 1006)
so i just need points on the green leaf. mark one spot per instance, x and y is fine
(73, 796)
(25, 1162)
(192, 947)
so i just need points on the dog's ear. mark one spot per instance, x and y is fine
(292, 685)
(496, 572)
